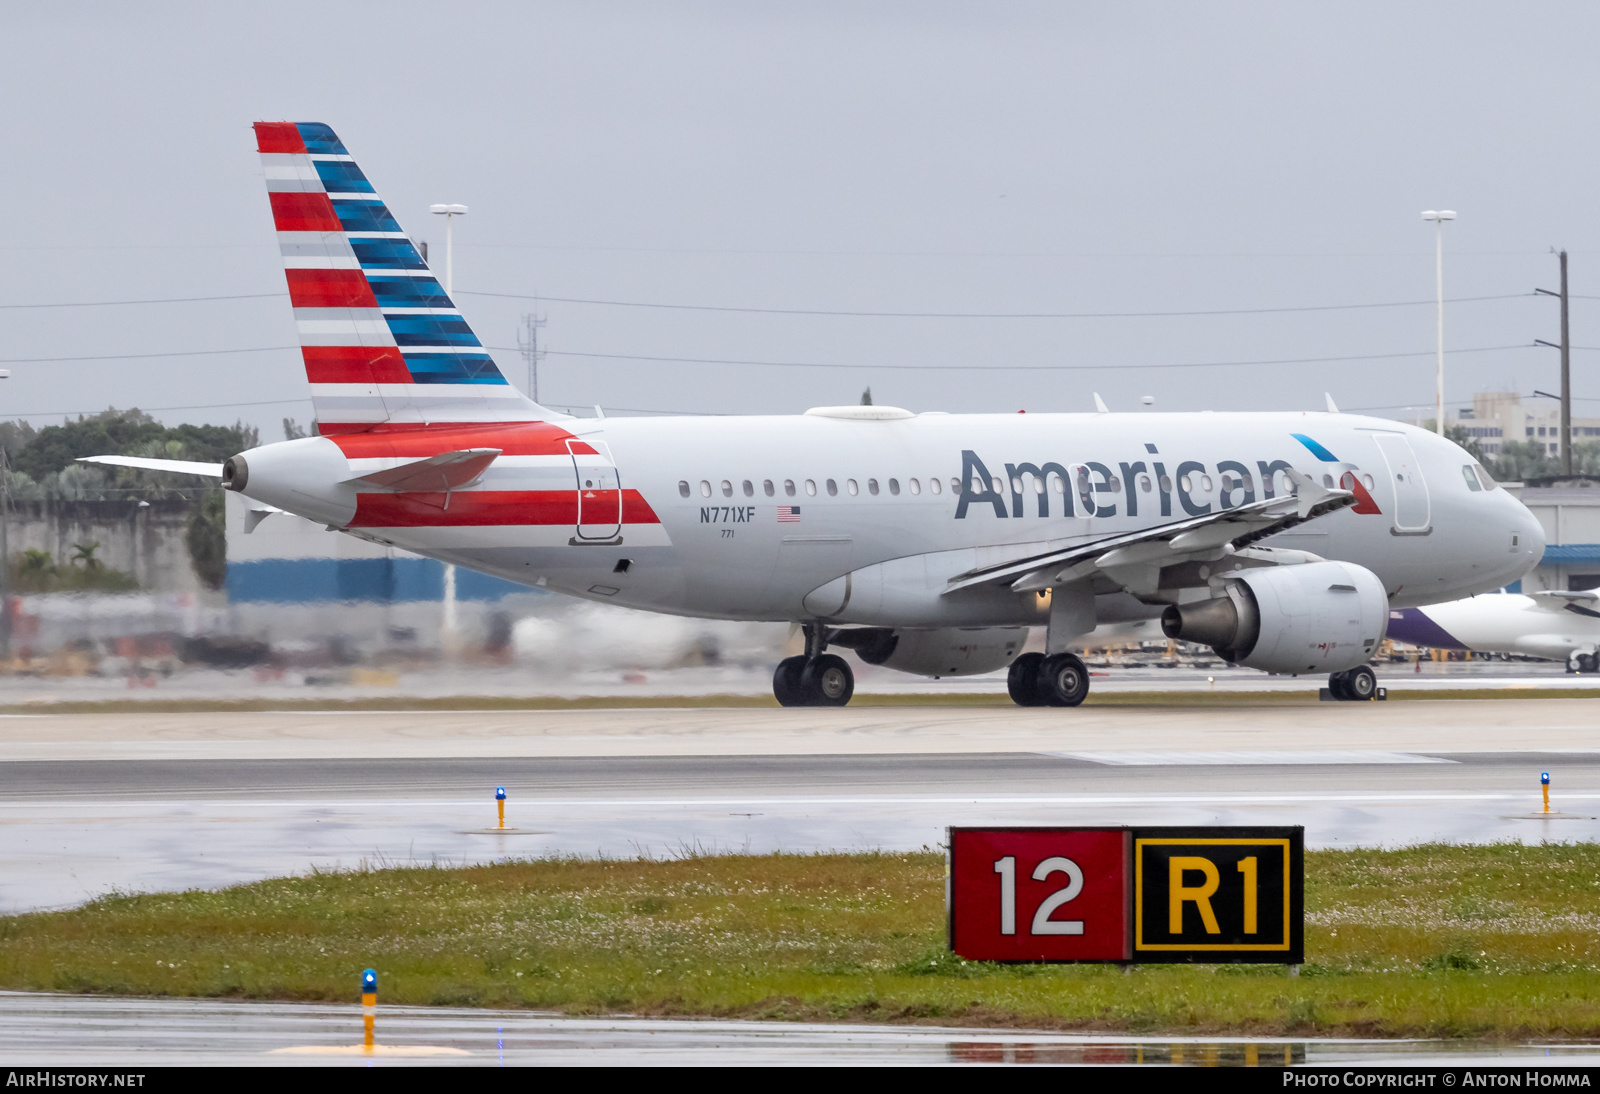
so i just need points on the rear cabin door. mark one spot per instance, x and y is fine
(1411, 509)
(599, 492)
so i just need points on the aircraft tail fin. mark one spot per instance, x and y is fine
(383, 343)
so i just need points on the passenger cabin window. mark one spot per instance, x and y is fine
(1368, 481)
(850, 485)
(749, 489)
(955, 485)
(916, 487)
(766, 486)
(933, 486)
(1166, 484)
(683, 488)
(1327, 480)
(705, 489)
(1144, 483)
(811, 488)
(788, 487)
(894, 487)
(833, 489)
(1205, 483)
(727, 488)
(872, 486)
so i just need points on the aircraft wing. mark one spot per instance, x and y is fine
(1583, 602)
(182, 467)
(436, 474)
(1134, 560)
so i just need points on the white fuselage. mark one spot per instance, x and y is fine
(882, 500)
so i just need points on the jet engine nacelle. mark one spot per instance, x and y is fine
(1316, 617)
(946, 651)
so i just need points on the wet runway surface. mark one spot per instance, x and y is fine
(79, 1031)
(73, 830)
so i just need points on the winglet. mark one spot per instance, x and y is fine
(1331, 408)
(1100, 404)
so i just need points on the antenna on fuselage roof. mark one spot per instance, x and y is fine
(1100, 404)
(1331, 408)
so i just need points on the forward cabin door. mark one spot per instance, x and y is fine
(599, 492)
(1411, 508)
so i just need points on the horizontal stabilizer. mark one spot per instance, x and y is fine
(437, 474)
(182, 467)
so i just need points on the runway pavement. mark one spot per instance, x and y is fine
(130, 1034)
(94, 803)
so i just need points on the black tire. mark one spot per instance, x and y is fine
(1063, 681)
(786, 682)
(1587, 663)
(1022, 681)
(1360, 684)
(827, 681)
(1336, 686)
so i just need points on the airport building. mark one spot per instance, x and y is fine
(1496, 417)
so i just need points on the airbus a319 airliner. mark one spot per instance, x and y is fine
(927, 542)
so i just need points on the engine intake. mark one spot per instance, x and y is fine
(1317, 617)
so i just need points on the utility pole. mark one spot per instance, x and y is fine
(1566, 369)
(450, 633)
(528, 343)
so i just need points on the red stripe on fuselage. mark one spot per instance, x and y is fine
(481, 508)
(1364, 503)
(279, 137)
(298, 212)
(416, 439)
(356, 365)
(329, 289)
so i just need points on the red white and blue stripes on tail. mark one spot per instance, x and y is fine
(445, 455)
(382, 341)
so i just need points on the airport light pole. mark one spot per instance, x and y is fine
(1439, 216)
(447, 635)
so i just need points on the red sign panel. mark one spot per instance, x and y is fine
(1032, 894)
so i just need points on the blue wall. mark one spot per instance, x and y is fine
(391, 580)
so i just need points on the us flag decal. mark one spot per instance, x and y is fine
(788, 514)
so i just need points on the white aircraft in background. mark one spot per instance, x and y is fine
(928, 542)
(1560, 626)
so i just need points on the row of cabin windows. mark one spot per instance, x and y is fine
(790, 490)
(1188, 483)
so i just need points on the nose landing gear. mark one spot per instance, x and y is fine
(1354, 685)
(816, 678)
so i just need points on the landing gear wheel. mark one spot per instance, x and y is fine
(1336, 686)
(1022, 681)
(1360, 684)
(827, 681)
(786, 682)
(1587, 663)
(1063, 681)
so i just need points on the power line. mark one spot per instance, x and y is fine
(142, 356)
(191, 406)
(162, 300)
(1012, 368)
(984, 315)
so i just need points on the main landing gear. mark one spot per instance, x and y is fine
(1056, 680)
(816, 678)
(1353, 685)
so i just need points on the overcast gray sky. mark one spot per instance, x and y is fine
(914, 157)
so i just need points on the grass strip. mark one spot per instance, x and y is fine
(1498, 941)
(1197, 699)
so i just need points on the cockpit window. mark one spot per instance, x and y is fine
(1483, 477)
(1470, 473)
